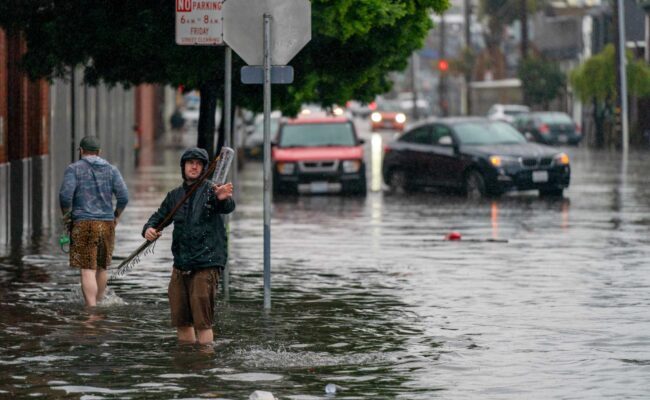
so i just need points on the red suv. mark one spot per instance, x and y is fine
(318, 155)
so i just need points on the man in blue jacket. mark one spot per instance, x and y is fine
(86, 199)
(199, 246)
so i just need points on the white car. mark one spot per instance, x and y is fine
(506, 112)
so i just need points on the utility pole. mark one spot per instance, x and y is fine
(442, 83)
(467, 11)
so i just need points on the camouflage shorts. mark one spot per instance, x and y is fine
(92, 244)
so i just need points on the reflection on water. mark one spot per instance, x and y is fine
(366, 296)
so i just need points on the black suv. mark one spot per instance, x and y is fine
(476, 155)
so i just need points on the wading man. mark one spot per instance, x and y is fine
(199, 246)
(86, 199)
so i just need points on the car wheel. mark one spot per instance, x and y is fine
(551, 192)
(398, 182)
(474, 185)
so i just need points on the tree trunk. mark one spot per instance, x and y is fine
(208, 106)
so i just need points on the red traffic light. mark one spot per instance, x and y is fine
(443, 65)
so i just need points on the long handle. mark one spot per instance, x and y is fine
(127, 262)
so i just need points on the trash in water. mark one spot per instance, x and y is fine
(331, 388)
(453, 236)
(261, 395)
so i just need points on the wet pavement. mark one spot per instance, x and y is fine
(366, 295)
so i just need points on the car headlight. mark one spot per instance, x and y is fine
(375, 117)
(561, 159)
(502, 161)
(400, 118)
(338, 111)
(350, 166)
(286, 168)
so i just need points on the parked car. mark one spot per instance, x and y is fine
(254, 142)
(506, 112)
(475, 155)
(360, 109)
(549, 128)
(318, 155)
(388, 115)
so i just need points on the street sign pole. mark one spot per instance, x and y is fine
(267, 161)
(227, 105)
(248, 30)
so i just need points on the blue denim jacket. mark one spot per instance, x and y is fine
(88, 187)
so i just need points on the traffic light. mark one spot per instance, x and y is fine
(443, 65)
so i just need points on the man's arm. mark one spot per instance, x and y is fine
(120, 191)
(68, 187)
(157, 217)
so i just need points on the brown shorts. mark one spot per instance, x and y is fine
(191, 297)
(92, 244)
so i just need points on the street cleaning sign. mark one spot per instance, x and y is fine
(199, 22)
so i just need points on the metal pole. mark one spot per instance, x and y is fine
(623, 75)
(414, 87)
(267, 161)
(227, 132)
(73, 117)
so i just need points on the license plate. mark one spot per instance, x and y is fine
(562, 138)
(318, 187)
(540, 176)
(388, 124)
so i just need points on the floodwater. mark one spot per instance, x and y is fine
(366, 295)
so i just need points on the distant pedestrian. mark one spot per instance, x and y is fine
(86, 195)
(199, 246)
(177, 122)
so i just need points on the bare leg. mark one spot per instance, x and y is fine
(205, 336)
(101, 277)
(186, 334)
(89, 287)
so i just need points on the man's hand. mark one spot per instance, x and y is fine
(223, 192)
(152, 234)
(66, 219)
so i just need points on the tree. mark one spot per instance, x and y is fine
(354, 45)
(541, 81)
(595, 81)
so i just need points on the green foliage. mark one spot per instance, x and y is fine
(355, 43)
(596, 78)
(541, 80)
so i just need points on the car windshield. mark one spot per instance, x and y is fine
(391, 106)
(555, 118)
(259, 128)
(322, 134)
(514, 112)
(478, 133)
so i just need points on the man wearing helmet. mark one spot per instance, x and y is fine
(199, 246)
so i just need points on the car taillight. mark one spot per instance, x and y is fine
(578, 129)
(387, 149)
(543, 129)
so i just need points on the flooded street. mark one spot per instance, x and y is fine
(542, 299)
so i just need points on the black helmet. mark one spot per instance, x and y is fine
(194, 153)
